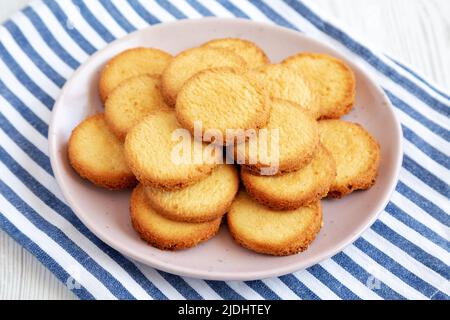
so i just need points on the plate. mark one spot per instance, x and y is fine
(106, 213)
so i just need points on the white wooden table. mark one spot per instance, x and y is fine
(415, 31)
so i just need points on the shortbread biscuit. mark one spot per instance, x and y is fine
(131, 101)
(189, 62)
(295, 189)
(356, 152)
(267, 231)
(163, 233)
(253, 55)
(298, 138)
(203, 201)
(221, 99)
(97, 155)
(129, 63)
(280, 82)
(156, 156)
(330, 78)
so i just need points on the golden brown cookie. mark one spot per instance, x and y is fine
(294, 189)
(221, 99)
(155, 156)
(203, 201)
(267, 231)
(330, 79)
(163, 233)
(131, 101)
(97, 155)
(280, 82)
(253, 55)
(189, 62)
(130, 63)
(356, 152)
(298, 138)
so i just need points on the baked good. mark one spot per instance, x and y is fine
(97, 154)
(191, 61)
(154, 157)
(203, 201)
(221, 99)
(280, 82)
(163, 233)
(298, 138)
(267, 231)
(330, 79)
(131, 101)
(129, 63)
(294, 189)
(356, 152)
(253, 55)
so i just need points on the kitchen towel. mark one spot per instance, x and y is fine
(405, 254)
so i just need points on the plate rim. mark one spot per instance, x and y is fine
(217, 275)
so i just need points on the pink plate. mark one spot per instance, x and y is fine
(106, 214)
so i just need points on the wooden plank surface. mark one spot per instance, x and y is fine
(415, 31)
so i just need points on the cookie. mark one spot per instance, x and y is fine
(153, 154)
(131, 101)
(129, 63)
(221, 99)
(267, 231)
(251, 53)
(298, 138)
(97, 155)
(295, 189)
(280, 82)
(356, 152)
(189, 62)
(330, 78)
(163, 233)
(203, 201)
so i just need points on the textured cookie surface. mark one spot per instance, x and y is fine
(163, 233)
(251, 53)
(280, 82)
(221, 99)
(131, 63)
(158, 160)
(97, 155)
(298, 138)
(279, 233)
(205, 200)
(356, 152)
(330, 78)
(294, 189)
(131, 101)
(189, 62)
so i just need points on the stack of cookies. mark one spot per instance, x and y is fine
(165, 131)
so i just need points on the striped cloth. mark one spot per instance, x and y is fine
(404, 255)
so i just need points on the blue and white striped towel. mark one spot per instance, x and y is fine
(405, 254)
